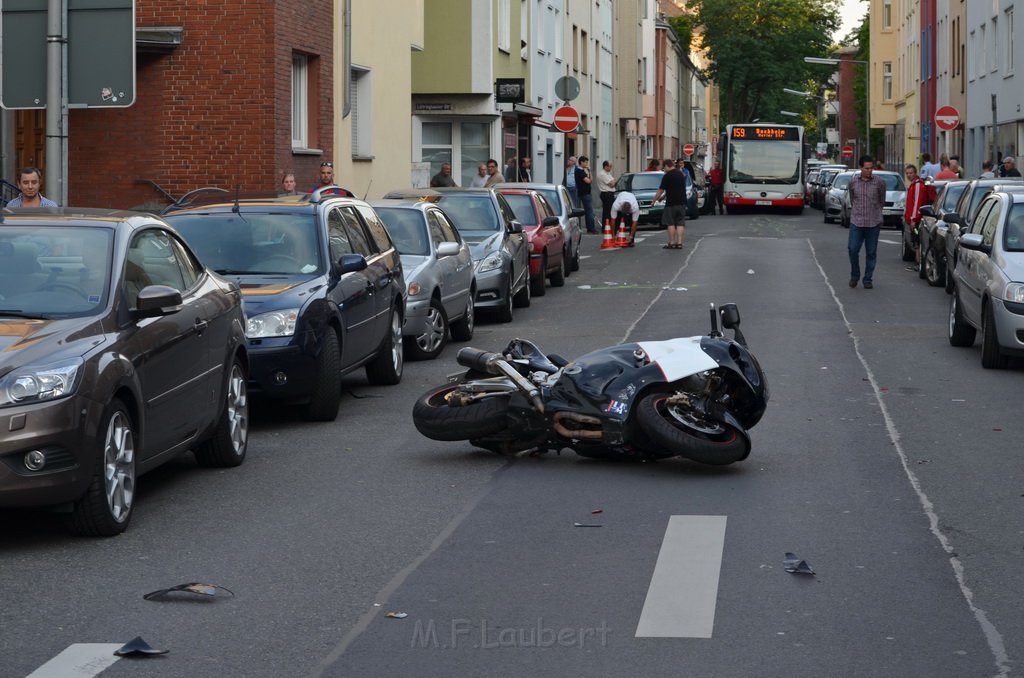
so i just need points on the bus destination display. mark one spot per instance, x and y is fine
(755, 132)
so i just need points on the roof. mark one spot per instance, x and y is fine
(73, 215)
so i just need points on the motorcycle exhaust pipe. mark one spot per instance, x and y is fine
(495, 363)
(577, 433)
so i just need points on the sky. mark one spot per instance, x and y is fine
(850, 13)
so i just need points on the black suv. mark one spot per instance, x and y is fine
(323, 287)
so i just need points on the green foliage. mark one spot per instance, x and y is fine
(755, 48)
(683, 26)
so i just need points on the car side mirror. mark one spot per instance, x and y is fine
(927, 211)
(447, 249)
(551, 221)
(515, 227)
(577, 214)
(350, 263)
(157, 300)
(974, 241)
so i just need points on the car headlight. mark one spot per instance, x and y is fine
(38, 383)
(901, 204)
(1014, 292)
(272, 324)
(489, 263)
(414, 288)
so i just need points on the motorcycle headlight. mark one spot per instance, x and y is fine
(1014, 292)
(272, 324)
(38, 383)
(489, 263)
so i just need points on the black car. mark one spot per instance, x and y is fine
(932, 230)
(702, 188)
(323, 286)
(959, 220)
(119, 351)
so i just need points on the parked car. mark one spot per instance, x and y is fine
(701, 186)
(120, 350)
(439, 276)
(544, 231)
(834, 196)
(501, 253)
(932, 230)
(644, 185)
(809, 181)
(323, 286)
(988, 281)
(821, 184)
(895, 200)
(960, 219)
(570, 218)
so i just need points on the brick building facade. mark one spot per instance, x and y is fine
(214, 110)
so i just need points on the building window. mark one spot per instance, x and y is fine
(584, 53)
(1008, 42)
(361, 113)
(504, 25)
(983, 61)
(993, 54)
(524, 29)
(887, 81)
(886, 15)
(575, 48)
(300, 101)
(437, 145)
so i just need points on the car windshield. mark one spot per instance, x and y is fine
(1013, 234)
(253, 243)
(54, 271)
(841, 180)
(952, 194)
(551, 195)
(408, 229)
(644, 182)
(522, 206)
(893, 182)
(470, 212)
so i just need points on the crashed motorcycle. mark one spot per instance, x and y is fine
(694, 397)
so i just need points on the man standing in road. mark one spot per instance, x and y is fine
(625, 206)
(1009, 168)
(443, 179)
(673, 187)
(717, 178)
(30, 181)
(584, 183)
(912, 212)
(867, 196)
(570, 180)
(606, 186)
(493, 175)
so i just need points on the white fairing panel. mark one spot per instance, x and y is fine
(678, 358)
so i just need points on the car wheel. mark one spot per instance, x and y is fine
(522, 298)
(106, 507)
(992, 357)
(227, 446)
(558, 278)
(960, 333)
(537, 283)
(949, 278)
(827, 219)
(462, 329)
(326, 396)
(429, 344)
(386, 368)
(575, 262)
(567, 260)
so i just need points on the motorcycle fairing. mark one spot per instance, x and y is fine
(678, 358)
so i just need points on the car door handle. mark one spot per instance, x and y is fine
(200, 325)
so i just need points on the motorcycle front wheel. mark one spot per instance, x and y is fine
(687, 435)
(437, 420)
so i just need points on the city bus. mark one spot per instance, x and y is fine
(764, 166)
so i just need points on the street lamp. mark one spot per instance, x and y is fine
(808, 95)
(790, 114)
(832, 61)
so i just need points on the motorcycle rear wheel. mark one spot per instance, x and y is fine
(715, 443)
(437, 420)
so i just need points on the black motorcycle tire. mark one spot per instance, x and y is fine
(435, 419)
(721, 449)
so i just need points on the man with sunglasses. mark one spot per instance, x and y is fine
(326, 176)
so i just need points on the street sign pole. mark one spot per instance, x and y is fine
(56, 160)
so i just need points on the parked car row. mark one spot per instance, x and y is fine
(827, 190)
(130, 338)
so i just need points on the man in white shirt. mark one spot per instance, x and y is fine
(606, 185)
(625, 206)
(480, 180)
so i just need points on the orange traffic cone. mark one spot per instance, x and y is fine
(622, 238)
(608, 241)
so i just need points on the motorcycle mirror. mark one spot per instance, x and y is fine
(730, 316)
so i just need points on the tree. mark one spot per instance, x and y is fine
(755, 48)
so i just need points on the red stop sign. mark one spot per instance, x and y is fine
(688, 149)
(847, 151)
(947, 118)
(566, 119)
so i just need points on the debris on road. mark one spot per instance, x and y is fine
(192, 587)
(586, 525)
(795, 565)
(397, 615)
(596, 511)
(137, 647)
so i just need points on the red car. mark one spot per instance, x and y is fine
(544, 232)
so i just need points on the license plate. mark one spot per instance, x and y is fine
(644, 211)
(763, 202)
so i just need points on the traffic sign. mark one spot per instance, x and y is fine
(947, 118)
(567, 88)
(567, 119)
(847, 151)
(688, 149)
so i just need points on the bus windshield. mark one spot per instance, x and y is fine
(764, 162)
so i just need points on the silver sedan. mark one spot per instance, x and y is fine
(439, 274)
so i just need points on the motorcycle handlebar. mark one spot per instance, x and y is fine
(475, 359)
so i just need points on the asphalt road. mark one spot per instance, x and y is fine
(888, 460)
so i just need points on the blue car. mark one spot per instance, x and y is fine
(323, 287)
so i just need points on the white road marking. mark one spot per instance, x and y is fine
(584, 256)
(81, 660)
(888, 242)
(684, 589)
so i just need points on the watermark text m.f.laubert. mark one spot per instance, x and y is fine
(484, 634)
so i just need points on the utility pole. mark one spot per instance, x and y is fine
(56, 106)
(993, 157)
